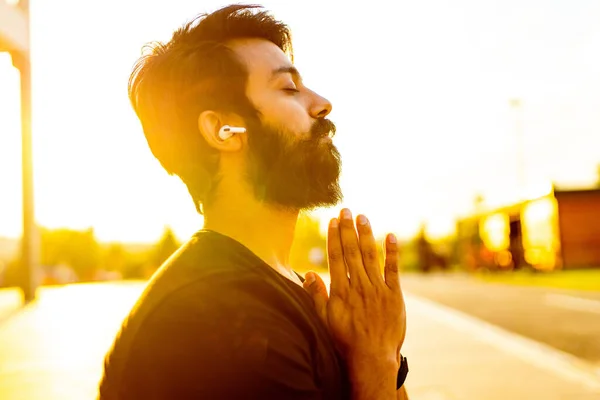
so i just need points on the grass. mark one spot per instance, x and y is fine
(583, 279)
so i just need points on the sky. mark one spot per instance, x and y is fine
(420, 90)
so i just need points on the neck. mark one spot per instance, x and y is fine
(267, 231)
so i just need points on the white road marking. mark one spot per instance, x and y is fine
(573, 303)
(545, 357)
(541, 355)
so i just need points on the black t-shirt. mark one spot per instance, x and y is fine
(216, 322)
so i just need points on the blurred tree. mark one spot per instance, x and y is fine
(166, 246)
(11, 273)
(308, 249)
(77, 249)
(114, 257)
(409, 256)
(133, 269)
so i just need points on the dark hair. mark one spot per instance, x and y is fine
(173, 83)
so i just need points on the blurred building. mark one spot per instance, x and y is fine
(556, 231)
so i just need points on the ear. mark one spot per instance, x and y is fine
(209, 124)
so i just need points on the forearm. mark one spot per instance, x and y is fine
(374, 379)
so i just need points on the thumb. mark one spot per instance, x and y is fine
(316, 288)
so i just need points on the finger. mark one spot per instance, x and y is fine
(335, 259)
(351, 249)
(391, 269)
(368, 248)
(316, 288)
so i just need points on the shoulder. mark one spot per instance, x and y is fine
(224, 301)
(207, 336)
(210, 318)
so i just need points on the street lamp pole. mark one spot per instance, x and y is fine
(14, 35)
(517, 106)
(30, 242)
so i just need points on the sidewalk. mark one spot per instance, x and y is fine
(10, 302)
(54, 350)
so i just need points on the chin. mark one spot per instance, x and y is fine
(314, 195)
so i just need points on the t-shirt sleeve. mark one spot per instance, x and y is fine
(213, 344)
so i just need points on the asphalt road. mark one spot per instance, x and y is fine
(566, 320)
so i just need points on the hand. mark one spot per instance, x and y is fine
(365, 313)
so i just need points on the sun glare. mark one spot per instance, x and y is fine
(417, 145)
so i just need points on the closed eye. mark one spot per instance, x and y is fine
(291, 90)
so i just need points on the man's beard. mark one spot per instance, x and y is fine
(291, 172)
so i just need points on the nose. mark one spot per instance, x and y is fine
(320, 107)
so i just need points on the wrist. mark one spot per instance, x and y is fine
(375, 364)
(373, 376)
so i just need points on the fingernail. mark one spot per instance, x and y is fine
(392, 238)
(310, 278)
(346, 214)
(362, 220)
(333, 223)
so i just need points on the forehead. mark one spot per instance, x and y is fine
(261, 57)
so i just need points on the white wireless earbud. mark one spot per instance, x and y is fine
(227, 131)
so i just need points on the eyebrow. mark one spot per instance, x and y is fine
(286, 70)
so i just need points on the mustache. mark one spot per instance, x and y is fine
(322, 127)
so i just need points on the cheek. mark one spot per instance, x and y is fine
(289, 115)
